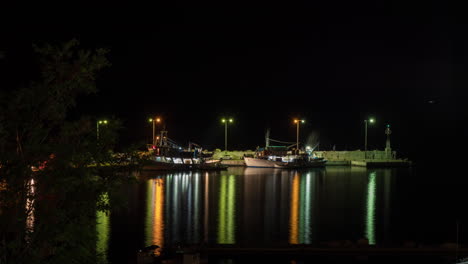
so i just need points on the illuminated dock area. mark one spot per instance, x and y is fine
(381, 163)
(374, 158)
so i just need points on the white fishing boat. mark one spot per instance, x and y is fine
(292, 161)
(166, 155)
(282, 157)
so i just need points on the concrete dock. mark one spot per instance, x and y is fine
(357, 163)
(381, 163)
(371, 158)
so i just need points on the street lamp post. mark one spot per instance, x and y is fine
(371, 121)
(154, 120)
(99, 122)
(298, 121)
(226, 121)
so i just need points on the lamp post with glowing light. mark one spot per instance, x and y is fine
(154, 121)
(226, 121)
(99, 122)
(371, 121)
(297, 122)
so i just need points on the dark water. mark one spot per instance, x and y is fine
(254, 207)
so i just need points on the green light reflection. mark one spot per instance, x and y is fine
(300, 225)
(103, 232)
(150, 193)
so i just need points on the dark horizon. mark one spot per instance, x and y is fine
(401, 64)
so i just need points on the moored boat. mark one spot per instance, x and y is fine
(166, 155)
(282, 157)
(293, 161)
(161, 163)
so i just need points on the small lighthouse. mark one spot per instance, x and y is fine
(388, 149)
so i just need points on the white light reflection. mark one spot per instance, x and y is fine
(207, 185)
(30, 203)
(193, 200)
(306, 209)
(176, 206)
(370, 213)
(196, 207)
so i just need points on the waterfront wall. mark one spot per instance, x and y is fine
(235, 154)
(357, 155)
(329, 155)
(375, 158)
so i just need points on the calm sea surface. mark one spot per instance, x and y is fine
(255, 207)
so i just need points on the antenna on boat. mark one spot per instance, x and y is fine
(267, 138)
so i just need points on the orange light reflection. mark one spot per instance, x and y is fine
(158, 217)
(294, 216)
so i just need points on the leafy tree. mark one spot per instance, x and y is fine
(48, 215)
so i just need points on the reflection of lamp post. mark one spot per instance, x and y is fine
(154, 120)
(99, 122)
(371, 120)
(226, 121)
(298, 121)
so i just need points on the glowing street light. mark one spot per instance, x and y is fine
(371, 121)
(99, 122)
(154, 120)
(297, 122)
(226, 121)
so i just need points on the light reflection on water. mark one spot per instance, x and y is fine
(305, 217)
(302, 208)
(263, 207)
(102, 232)
(370, 212)
(29, 207)
(294, 215)
(227, 210)
(154, 226)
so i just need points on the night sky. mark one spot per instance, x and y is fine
(333, 64)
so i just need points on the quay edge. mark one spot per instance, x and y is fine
(375, 158)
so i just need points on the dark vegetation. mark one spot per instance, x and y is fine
(54, 173)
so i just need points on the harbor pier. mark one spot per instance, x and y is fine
(370, 158)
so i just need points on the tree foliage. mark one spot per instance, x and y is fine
(48, 215)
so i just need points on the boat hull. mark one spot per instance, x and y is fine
(165, 166)
(259, 163)
(264, 163)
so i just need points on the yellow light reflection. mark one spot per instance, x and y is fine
(231, 209)
(158, 228)
(103, 232)
(227, 210)
(155, 214)
(294, 214)
(150, 196)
